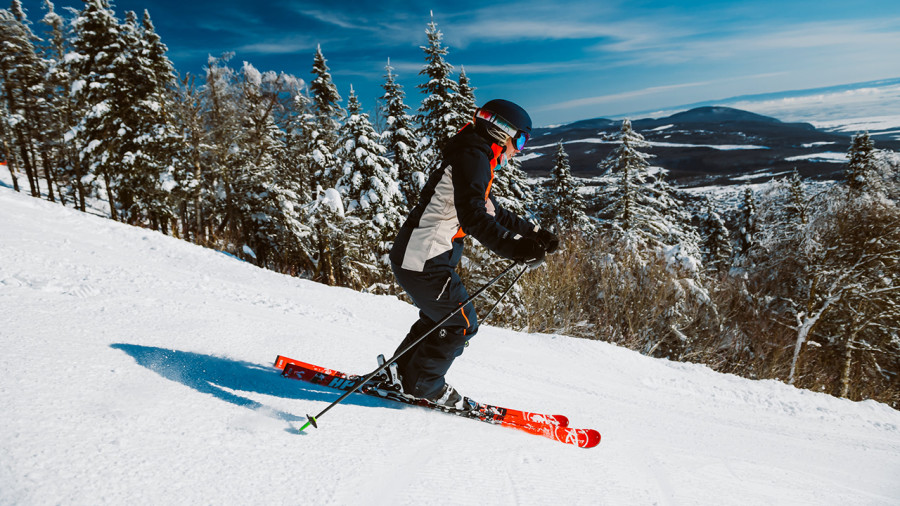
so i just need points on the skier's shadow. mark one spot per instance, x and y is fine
(226, 379)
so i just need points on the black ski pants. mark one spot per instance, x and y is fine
(436, 292)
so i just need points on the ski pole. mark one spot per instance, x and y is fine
(524, 269)
(314, 420)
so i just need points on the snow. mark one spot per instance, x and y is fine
(137, 368)
(331, 198)
(871, 124)
(828, 156)
(600, 140)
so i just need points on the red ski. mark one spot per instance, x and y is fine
(550, 426)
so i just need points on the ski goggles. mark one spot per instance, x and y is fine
(519, 137)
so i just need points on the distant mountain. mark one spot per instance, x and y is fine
(823, 105)
(718, 115)
(705, 145)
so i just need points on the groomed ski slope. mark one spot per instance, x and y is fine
(135, 368)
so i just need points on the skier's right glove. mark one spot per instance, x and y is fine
(528, 251)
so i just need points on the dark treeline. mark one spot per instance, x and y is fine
(796, 282)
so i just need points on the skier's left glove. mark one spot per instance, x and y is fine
(549, 241)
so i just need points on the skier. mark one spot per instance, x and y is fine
(455, 202)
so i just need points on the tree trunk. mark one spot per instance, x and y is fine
(113, 213)
(79, 185)
(29, 171)
(185, 226)
(45, 161)
(845, 370)
(12, 173)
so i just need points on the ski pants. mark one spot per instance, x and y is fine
(436, 292)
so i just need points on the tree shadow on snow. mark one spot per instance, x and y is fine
(226, 379)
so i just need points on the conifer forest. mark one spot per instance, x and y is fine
(796, 281)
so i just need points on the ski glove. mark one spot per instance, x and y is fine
(528, 251)
(549, 241)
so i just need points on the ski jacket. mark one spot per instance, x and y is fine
(456, 201)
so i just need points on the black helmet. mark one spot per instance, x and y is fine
(511, 112)
(510, 115)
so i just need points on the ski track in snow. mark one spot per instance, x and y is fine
(137, 368)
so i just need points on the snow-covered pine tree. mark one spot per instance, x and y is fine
(716, 247)
(626, 171)
(643, 206)
(325, 168)
(465, 103)
(682, 238)
(798, 205)
(747, 226)
(64, 64)
(58, 106)
(21, 72)
(99, 62)
(438, 116)
(373, 202)
(563, 207)
(861, 173)
(654, 248)
(146, 137)
(328, 113)
(401, 139)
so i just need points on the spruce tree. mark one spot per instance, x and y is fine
(798, 205)
(465, 104)
(324, 215)
(58, 107)
(372, 197)
(401, 139)
(860, 172)
(99, 62)
(146, 137)
(627, 170)
(716, 247)
(21, 73)
(325, 106)
(643, 206)
(438, 117)
(746, 238)
(369, 180)
(563, 204)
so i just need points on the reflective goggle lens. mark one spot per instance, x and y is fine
(521, 139)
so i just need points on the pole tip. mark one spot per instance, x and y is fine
(312, 421)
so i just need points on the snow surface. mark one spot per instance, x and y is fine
(601, 140)
(828, 156)
(136, 368)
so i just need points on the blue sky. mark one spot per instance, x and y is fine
(563, 60)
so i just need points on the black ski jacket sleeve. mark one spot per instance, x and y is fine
(478, 213)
